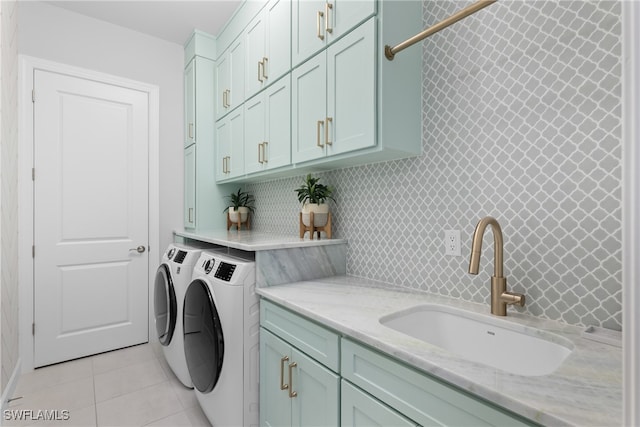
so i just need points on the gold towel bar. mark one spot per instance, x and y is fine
(390, 52)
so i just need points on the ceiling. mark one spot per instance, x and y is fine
(171, 20)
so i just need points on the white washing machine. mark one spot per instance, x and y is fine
(221, 339)
(172, 278)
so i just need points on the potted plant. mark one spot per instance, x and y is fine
(241, 203)
(313, 196)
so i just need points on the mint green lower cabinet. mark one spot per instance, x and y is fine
(358, 409)
(275, 403)
(295, 389)
(420, 397)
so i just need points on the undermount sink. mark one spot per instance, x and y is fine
(507, 346)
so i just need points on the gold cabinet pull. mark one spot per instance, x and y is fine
(283, 386)
(260, 73)
(318, 140)
(228, 168)
(318, 25)
(224, 168)
(327, 7)
(191, 130)
(190, 215)
(327, 131)
(292, 393)
(264, 151)
(265, 60)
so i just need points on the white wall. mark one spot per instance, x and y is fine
(55, 34)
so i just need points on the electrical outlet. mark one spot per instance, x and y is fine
(452, 242)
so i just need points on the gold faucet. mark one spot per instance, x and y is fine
(499, 295)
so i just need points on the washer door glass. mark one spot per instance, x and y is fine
(165, 306)
(203, 339)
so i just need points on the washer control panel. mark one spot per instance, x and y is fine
(225, 268)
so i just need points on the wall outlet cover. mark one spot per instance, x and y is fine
(452, 242)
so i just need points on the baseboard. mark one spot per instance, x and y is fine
(8, 391)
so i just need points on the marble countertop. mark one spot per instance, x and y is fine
(586, 390)
(248, 240)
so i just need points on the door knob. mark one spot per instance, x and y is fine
(140, 249)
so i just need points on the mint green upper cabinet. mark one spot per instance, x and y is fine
(308, 109)
(351, 90)
(190, 104)
(267, 118)
(318, 23)
(268, 45)
(230, 146)
(190, 186)
(230, 78)
(334, 98)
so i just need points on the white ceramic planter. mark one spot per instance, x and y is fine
(320, 214)
(242, 211)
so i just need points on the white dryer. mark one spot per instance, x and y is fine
(221, 339)
(172, 278)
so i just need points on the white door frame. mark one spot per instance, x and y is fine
(25, 186)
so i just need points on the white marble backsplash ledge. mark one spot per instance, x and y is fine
(585, 391)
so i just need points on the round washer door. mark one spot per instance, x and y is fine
(165, 306)
(203, 339)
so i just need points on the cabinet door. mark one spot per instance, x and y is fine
(351, 91)
(190, 186)
(222, 85)
(255, 47)
(254, 133)
(275, 403)
(278, 39)
(343, 15)
(223, 143)
(235, 162)
(308, 109)
(277, 150)
(236, 73)
(318, 393)
(358, 409)
(307, 32)
(190, 104)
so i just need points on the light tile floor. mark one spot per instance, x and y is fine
(130, 387)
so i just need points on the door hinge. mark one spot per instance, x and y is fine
(33, 328)
(33, 95)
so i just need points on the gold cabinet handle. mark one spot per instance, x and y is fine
(224, 99)
(190, 215)
(265, 61)
(327, 8)
(260, 73)
(283, 386)
(224, 167)
(228, 98)
(264, 151)
(190, 130)
(318, 25)
(228, 168)
(327, 141)
(260, 153)
(292, 393)
(318, 140)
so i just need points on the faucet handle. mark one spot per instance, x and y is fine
(512, 298)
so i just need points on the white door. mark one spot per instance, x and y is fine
(91, 144)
